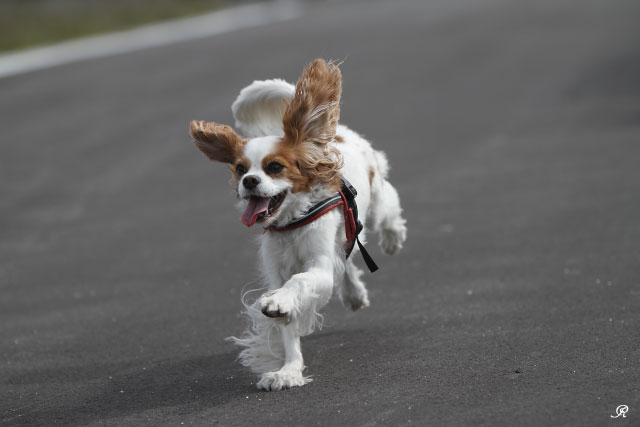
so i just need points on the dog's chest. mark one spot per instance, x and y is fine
(288, 252)
(285, 252)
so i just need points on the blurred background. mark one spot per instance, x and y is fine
(512, 129)
(27, 23)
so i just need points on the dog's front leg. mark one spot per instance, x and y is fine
(301, 296)
(296, 306)
(290, 375)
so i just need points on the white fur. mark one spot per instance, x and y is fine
(302, 267)
(259, 108)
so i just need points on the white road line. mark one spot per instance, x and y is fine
(148, 36)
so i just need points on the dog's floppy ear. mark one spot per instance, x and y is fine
(217, 142)
(313, 113)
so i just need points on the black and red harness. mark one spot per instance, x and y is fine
(345, 197)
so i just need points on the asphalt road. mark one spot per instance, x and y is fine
(513, 130)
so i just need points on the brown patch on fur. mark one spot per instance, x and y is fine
(339, 138)
(309, 124)
(235, 177)
(234, 166)
(287, 157)
(273, 158)
(314, 110)
(217, 142)
(372, 174)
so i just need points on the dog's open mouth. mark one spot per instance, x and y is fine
(261, 208)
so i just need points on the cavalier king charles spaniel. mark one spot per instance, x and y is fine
(316, 188)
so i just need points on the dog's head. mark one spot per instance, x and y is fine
(276, 177)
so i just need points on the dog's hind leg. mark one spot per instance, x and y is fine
(385, 213)
(393, 231)
(353, 292)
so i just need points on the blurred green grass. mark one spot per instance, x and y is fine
(28, 23)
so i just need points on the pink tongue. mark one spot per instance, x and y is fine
(256, 206)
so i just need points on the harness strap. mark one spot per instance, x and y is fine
(349, 193)
(345, 197)
(371, 264)
(312, 214)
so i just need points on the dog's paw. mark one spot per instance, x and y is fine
(391, 239)
(282, 379)
(279, 304)
(355, 298)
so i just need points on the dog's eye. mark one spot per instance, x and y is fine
(240, 169)
(274, 167)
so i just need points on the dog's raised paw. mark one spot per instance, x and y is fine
(274, 313)
(278, 304)
(282, 379)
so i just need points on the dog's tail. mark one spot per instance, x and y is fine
(259, 107)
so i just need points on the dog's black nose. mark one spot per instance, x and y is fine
(250, 181)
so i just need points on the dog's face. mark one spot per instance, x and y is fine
(275, 176)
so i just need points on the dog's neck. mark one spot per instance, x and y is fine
(299, 203)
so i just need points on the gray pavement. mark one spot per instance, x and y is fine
(513, 131)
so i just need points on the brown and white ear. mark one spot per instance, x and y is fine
(217, 142)
(313, 113)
